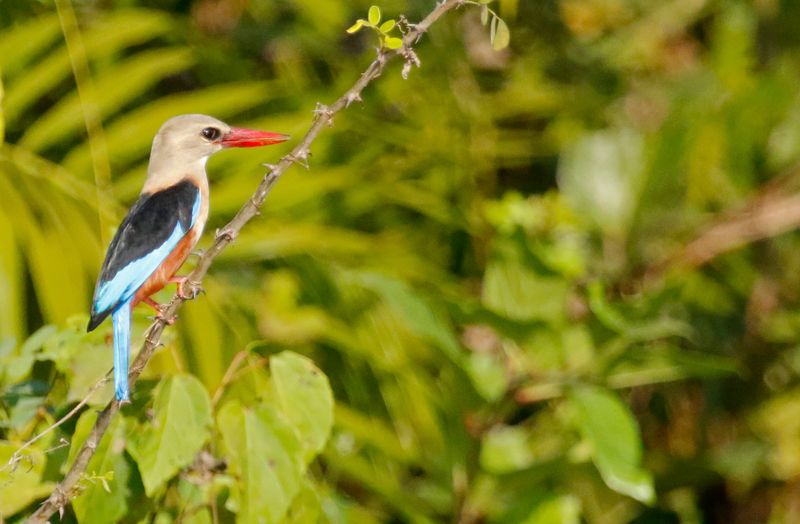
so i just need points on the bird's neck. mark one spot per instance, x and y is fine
(166, 173)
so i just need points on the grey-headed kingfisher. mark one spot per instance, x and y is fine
(163, 226)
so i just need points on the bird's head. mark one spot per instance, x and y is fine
(185, 142)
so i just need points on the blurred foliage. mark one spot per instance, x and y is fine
(480, 261)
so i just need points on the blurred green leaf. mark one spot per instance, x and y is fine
(21, 483)
(505, 449)
(612, 431)
(501, 35)
(180, 426)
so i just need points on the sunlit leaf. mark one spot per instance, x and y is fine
(387, 26)
(394, 42)
(305, 397)
(608, 425)
(374, 15)
(356, 26)
(501, 35)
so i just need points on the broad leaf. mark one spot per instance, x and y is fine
(306, 399)
(266, 458)
(180, 427)
(607, 423)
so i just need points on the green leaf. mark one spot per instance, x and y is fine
(484, 15)
(374, 15)
(21, 485)
(501, 35)
(514, 288)
(505, 449)
(306, 399)
(600, 176)
(387, 26)
(266, 458)
(493, 29)
(485, 1)
(393, 42)
(418, 314)
(607, 423)
(355, 27)
(180, 427)
(101, 501)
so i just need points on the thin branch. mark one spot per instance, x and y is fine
(17, 457)
(60, 496)
(766, 216)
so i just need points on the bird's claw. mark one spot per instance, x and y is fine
(193, 291)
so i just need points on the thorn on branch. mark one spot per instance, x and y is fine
(353, 97)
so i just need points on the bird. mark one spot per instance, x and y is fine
(163, 225)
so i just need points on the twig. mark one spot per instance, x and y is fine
(60, 496)
(17, 456)
(766, 216)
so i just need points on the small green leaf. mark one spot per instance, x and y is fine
(180, 427)
(485, 1)
(393, 42)
(501, 36)
(387, 26)
(607, 423)
(355, 27)
(493, 29)
(374, 15)
(484, 14)
(305, 398)
(505, 449)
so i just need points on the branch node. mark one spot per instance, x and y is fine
(324, 112)
(410, 59)
(300, 158)
(352, 96)
(227, 233)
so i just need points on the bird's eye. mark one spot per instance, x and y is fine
(211, 133)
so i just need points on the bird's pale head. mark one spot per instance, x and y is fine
(184, 143)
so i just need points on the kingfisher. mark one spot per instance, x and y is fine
(163, 226)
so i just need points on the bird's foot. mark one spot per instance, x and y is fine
(159, 311)
(187, 289)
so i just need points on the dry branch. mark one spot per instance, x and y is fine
(61, 495)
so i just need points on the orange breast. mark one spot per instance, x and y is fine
(168, 268)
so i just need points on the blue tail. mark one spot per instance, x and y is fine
(121, 318)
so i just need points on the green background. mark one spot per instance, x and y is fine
(555, 283)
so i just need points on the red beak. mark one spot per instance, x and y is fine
(240, 137)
